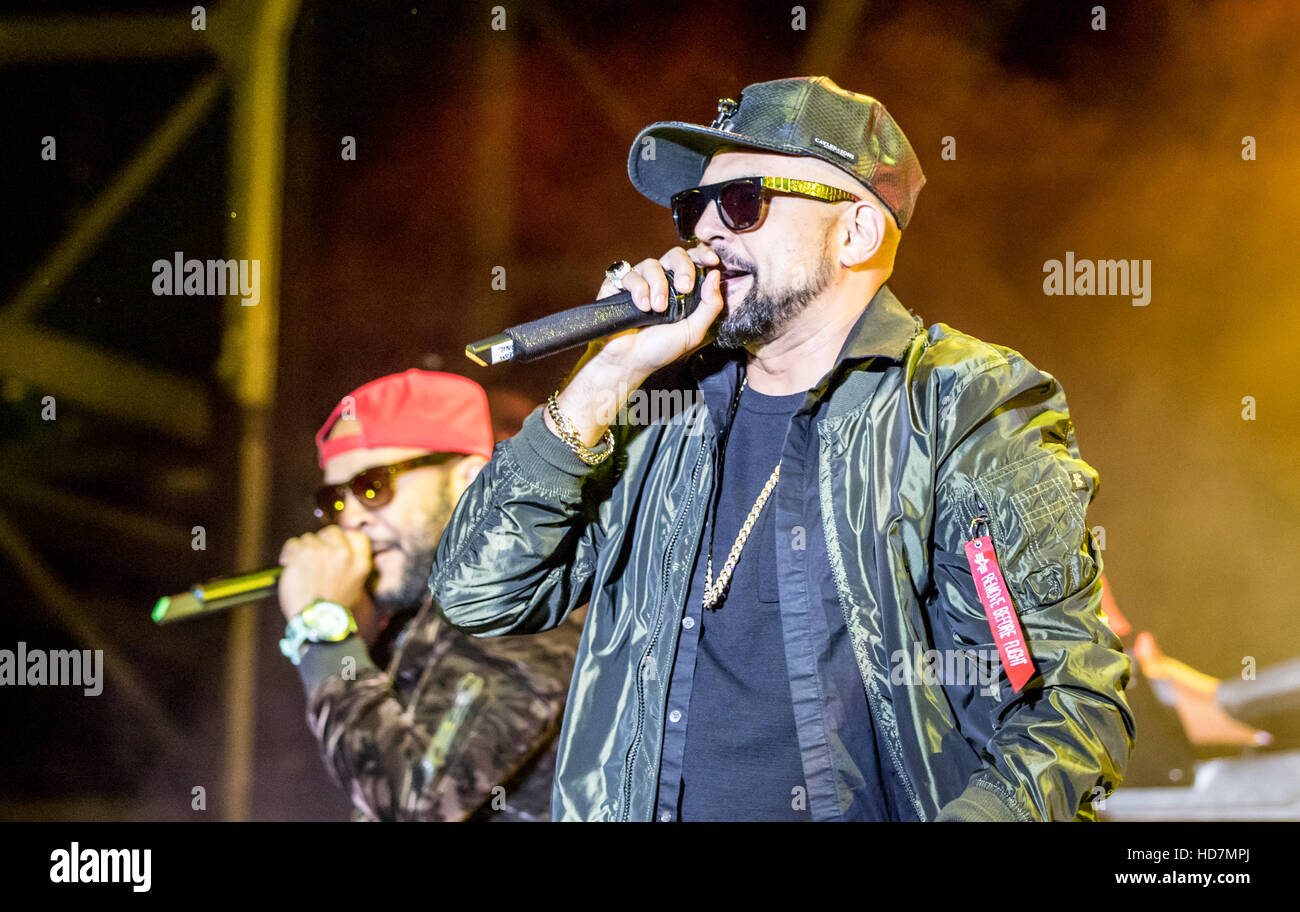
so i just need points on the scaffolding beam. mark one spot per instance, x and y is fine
(123, 190)
(70, 612)
(51, 39)
(105, 383)
(250, 38)
(248, 361)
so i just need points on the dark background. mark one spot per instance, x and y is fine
(479, 148)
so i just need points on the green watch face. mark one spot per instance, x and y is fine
(327, 621)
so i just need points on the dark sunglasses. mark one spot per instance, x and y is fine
(372, 488)
(742, 202)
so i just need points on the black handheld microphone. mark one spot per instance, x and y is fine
(580, 325)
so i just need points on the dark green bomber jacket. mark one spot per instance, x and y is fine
(924, 431)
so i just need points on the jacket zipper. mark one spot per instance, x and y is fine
(895, 749)
(654, 639)
(979, 512)
(468, 690)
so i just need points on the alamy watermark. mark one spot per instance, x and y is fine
(643, 407)
(946, 666)
(25, 667)
(179, 276)
(1099, 277)
(77, 865)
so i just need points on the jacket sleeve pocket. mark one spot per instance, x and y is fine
(1036, 508)
(1067, 735)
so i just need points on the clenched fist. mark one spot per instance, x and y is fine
(615, 366)
(331, 564)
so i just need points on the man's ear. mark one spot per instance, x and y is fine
(866, 234)
(464, 471)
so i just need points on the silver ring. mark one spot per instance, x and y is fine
(616, 271)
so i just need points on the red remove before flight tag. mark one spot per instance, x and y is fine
(996, 599)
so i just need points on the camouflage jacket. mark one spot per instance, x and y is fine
(454, 729)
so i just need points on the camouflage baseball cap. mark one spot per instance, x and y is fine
(805, 115)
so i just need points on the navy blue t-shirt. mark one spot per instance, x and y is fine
(741, 757)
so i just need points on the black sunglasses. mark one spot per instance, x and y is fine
(372, 488)
(743, 201)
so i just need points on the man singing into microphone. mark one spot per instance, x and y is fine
(851, 578)
(416, 721)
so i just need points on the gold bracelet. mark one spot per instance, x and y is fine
(569, 434)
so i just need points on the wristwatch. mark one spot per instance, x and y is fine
(320, 622)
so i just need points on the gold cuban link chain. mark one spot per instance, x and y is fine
(569, 434)
(713, 593)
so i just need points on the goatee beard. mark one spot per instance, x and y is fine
(418, 549)
(412, 588)
(761, 316)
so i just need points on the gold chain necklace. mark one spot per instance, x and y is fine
(713, 593)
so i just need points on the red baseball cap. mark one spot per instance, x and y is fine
(432, 410)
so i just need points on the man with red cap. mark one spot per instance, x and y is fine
(416, 720)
